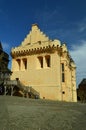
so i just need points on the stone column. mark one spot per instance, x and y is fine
(4, 90)
(11, 90)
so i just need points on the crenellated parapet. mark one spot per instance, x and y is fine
(36, 42)
(33, 50)
(45, 65)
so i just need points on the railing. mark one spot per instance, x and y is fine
(22, 87)
(27, 89)
(34, 91)
(10, 82)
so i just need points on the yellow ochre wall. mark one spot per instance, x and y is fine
(47, 80)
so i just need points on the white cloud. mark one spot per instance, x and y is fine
(82, 25)
(6, 46)
(78, 53)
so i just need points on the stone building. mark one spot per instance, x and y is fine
(46, 66)
(4, 60)
(81, 91)
(4, 71)
(7, 86)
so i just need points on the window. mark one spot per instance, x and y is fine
(63, 78)
(47, 59)
(18, 64)
(63, 72)
(62, 67)
(43, 61)
(25, 64)
(40, 58)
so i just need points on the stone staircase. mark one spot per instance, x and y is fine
(28, 91)
(16, 86)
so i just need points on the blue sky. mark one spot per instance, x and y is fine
(59, 19)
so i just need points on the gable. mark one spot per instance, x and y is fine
(37, 41)
(35, 36)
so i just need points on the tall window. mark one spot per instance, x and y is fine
(47, 59)
(63, 72)
(18, 64)
(62, 67)
(63, 77)
(40, 58)
(25, 64)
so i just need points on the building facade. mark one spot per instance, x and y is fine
(4, 71)
(4, 60)
(46, 66)
(81, 91)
